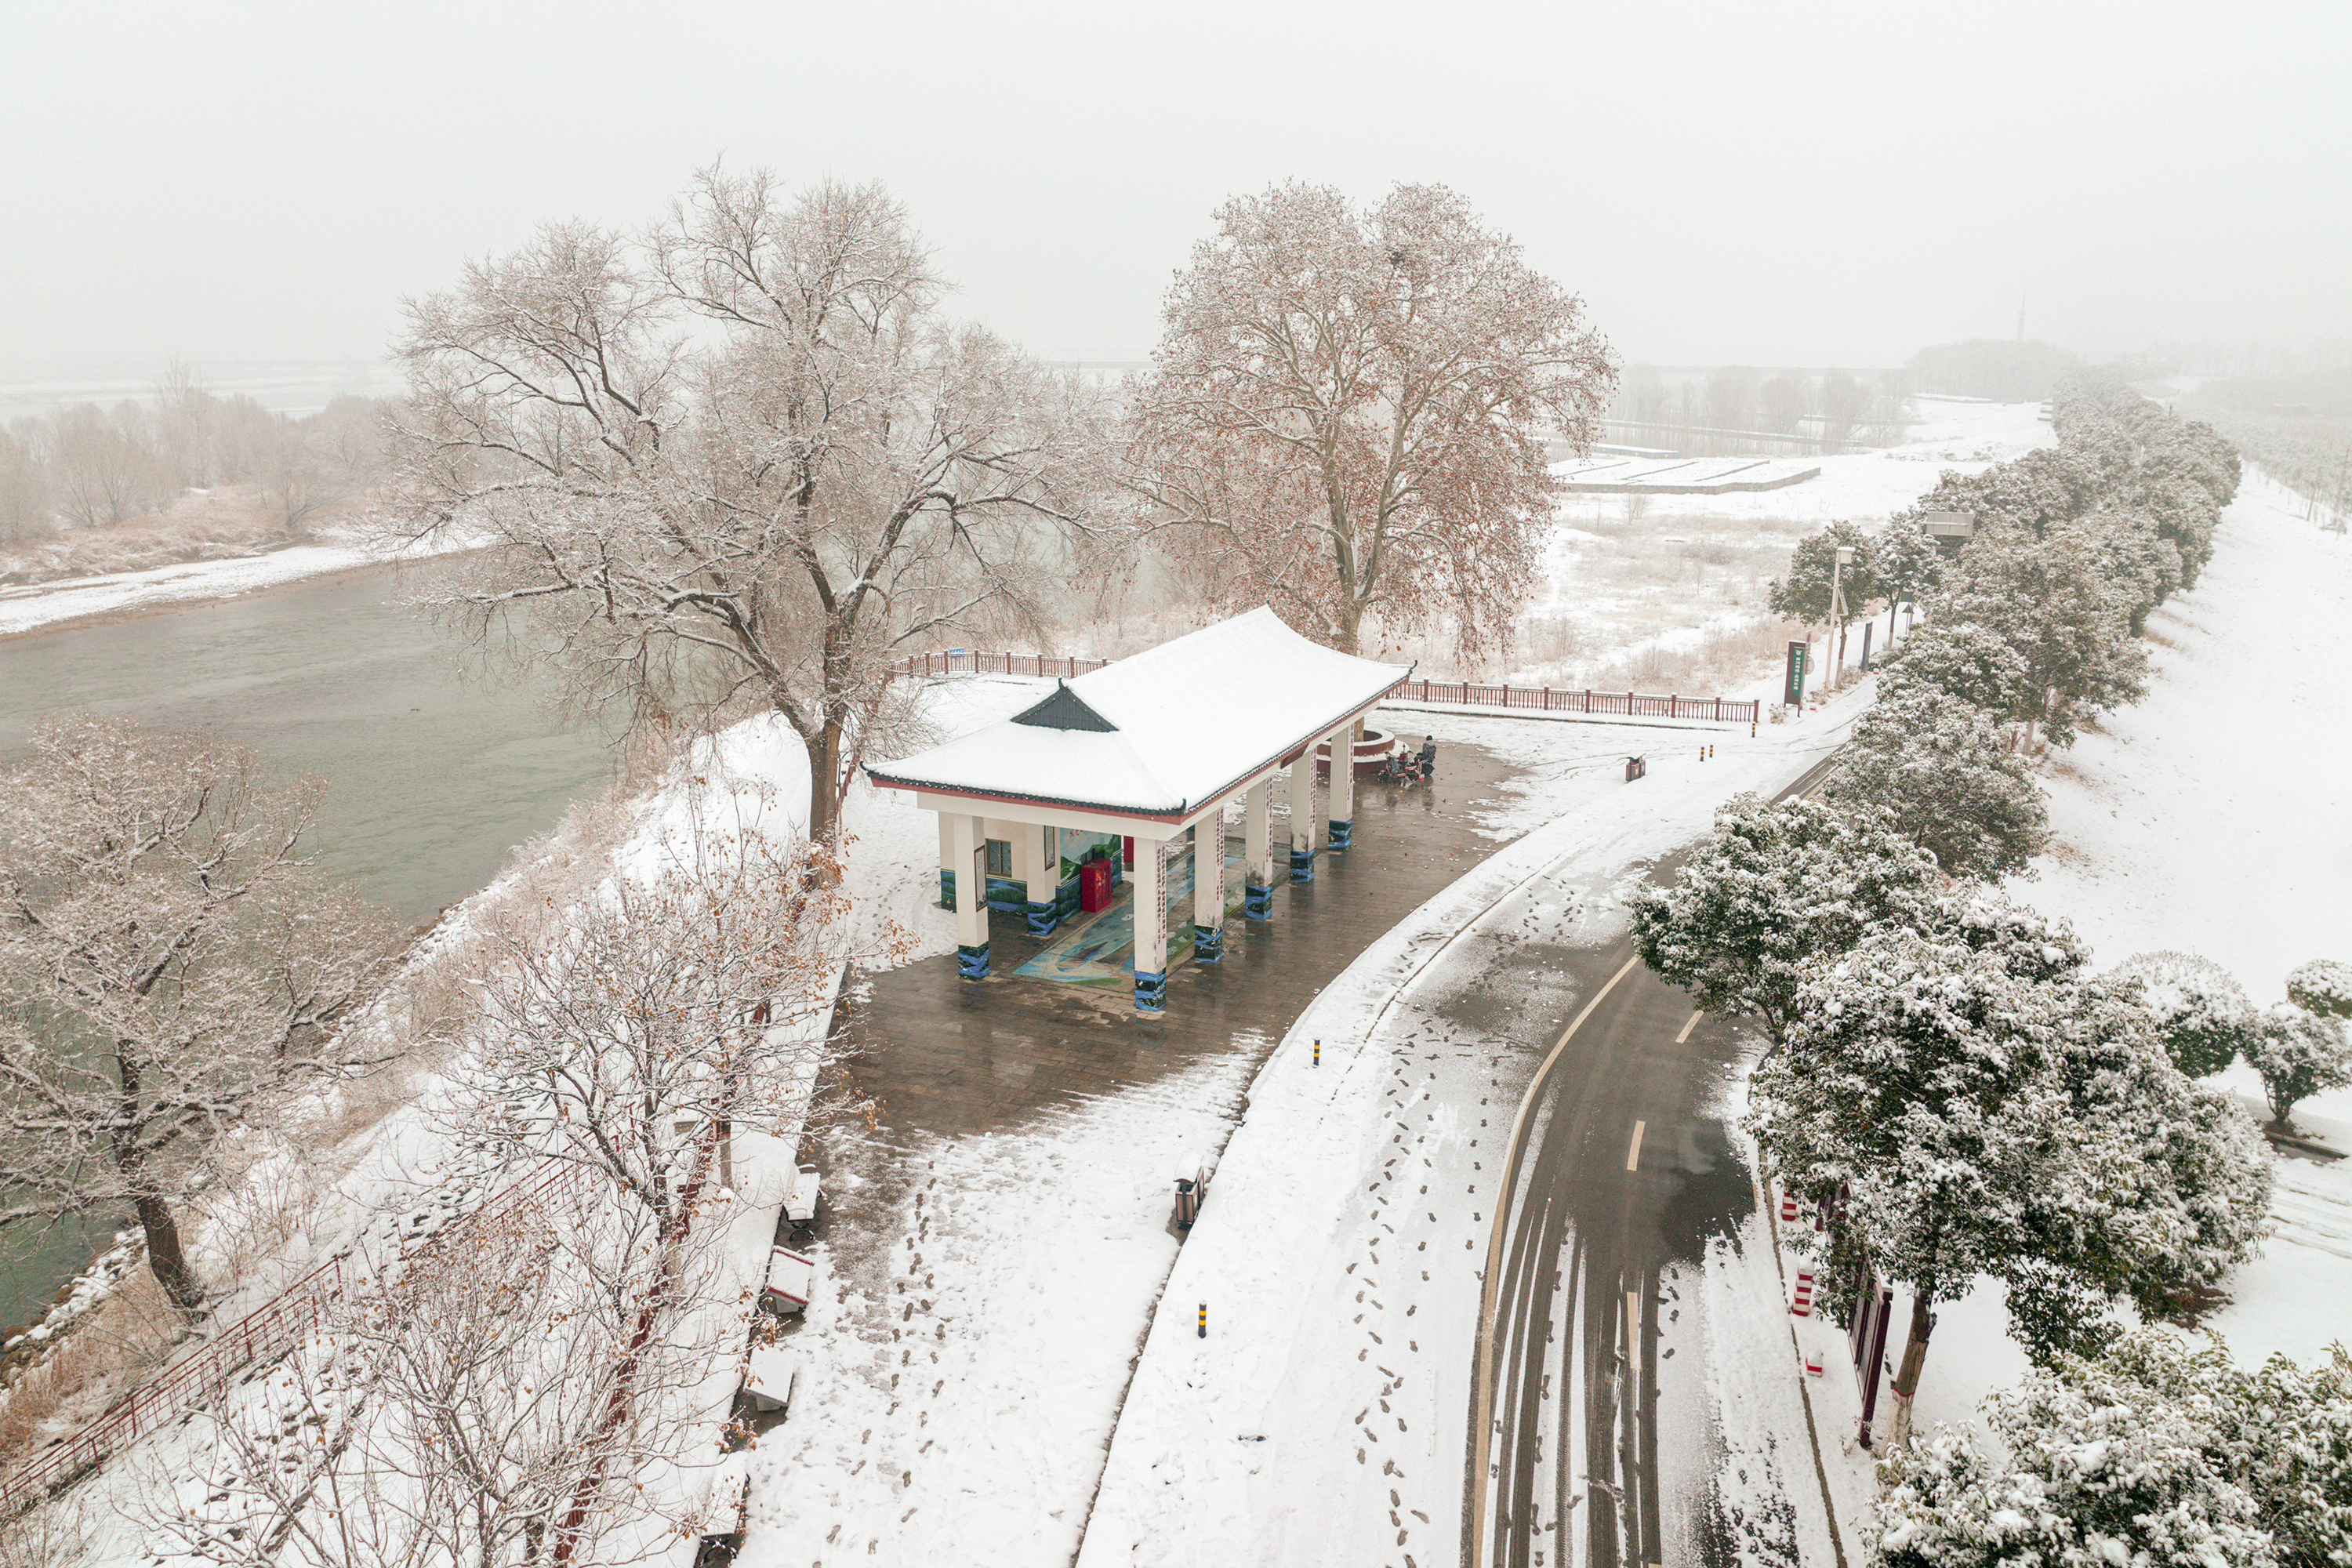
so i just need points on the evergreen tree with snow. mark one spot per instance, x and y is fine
(2203, 1017)
(2299, 1054)
(1939, 768)
(2159, 1452)
(1963, 660)
(2322, 986)
(1777, 887)
(1981, 1106)
(2053, 602)
(1804, 595)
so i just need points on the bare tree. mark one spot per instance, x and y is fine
(100, 473)
(172, 965)
(619, 1033)
(290, 470)
(829, 472)
(462, 1414)
(1348, 409)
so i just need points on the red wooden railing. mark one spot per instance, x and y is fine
(1448, 693)
(259, 1335)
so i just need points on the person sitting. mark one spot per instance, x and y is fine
(1428, 757)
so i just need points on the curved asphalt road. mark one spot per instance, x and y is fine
(1621, 1175)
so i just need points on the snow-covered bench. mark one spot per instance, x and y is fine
(770, 1378)
(803, 1196)
(791, 1275)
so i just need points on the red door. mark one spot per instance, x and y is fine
(1126, 854)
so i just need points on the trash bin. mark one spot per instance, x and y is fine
(1093, 885)
(1635, 767)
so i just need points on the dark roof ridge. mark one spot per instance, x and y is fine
(1065, 710)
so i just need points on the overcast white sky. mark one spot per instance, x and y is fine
(1768, 183)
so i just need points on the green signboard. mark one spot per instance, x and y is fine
(1795, 695)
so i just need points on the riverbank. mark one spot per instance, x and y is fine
(74, 601)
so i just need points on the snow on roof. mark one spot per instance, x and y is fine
(1160, 732)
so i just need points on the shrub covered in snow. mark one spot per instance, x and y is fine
(1774, 888)
(2156, 1453)
(1939, 767)
(2324, 986)
(2204, 1017)
(1963, 660)
(2299, 1054)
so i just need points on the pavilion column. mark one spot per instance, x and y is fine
(1209, 888)
(947, 858)
(1037, 862)
(1150, 913)
(1302, 816)
(970, 863)
(1340, 800)
(1257, 853)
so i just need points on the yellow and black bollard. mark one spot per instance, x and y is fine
(1318, 1053)
(1204, 1320)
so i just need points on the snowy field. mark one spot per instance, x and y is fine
(1666, 593)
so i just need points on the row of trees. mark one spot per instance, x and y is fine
(745, 459)
(1947, 1077)
(1833, 408)
(86, 467)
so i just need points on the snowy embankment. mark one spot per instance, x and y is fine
(2212, 818)
(86, 598)
(1323, 1418)
(414, 1176)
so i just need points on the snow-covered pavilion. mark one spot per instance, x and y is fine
(1152, 748)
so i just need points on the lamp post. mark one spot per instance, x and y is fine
(1837, 609)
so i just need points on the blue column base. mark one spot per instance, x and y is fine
(1343, 831)
(971, 963)
(1302, 865)
(1257, 903)
(1208, 944)
(1043, 917)
(1150, 992)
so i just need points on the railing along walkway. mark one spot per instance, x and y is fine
(1444, 693)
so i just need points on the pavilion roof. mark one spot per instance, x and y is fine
(1161, 732)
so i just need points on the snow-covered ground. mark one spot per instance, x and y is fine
(80, 598)
(1667, 592)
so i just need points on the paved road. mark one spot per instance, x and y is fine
(1599, 1407)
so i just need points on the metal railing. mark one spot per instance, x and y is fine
(1446, 693)
(1548, 700)
(259, 1336)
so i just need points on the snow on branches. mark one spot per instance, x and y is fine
(2155, 1453)
(1979, 1106)
(1348, 408)
(174, 967)
(1940, 769)
(1773, 889)
(2204, 1019)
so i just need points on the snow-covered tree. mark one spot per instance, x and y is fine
(174, 966)
(2051, 601)
(2203, 1015)
(1940, 769)
(2299, 1054)
(1805, 593)
(624, 1032)
(2159, 1452)
(1984, 1109)
(2322, 986)
(1962, 660)
(1908, 565)
(1774, 888)
(743, 465)
(1348, 410)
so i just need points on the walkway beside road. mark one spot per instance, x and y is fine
(994, 1250)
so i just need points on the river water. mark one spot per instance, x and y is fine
(432, 778)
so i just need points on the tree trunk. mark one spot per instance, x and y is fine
(824, 782)
(164, 1254)
(1907, 1381)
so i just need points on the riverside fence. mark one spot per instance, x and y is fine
(1436, 693)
